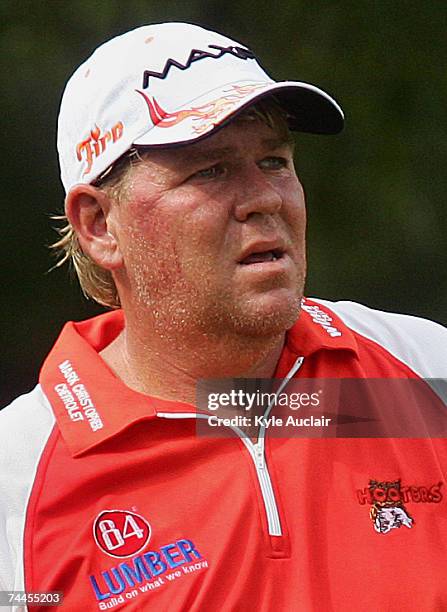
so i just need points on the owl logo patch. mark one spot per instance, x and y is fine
(387, 510)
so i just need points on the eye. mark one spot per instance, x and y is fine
(274, 163)
(209, 173)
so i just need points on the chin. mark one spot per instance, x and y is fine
(267, 317)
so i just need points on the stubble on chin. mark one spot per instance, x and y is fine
(259, 317)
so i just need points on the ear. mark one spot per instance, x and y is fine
(89, 211)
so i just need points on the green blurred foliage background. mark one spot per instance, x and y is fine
(376, 194)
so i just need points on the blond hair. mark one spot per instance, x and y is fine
(96, 282)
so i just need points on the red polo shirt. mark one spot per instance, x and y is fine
(127, 508)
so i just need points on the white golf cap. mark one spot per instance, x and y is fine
(167, 84)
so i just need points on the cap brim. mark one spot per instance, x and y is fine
(309, 109)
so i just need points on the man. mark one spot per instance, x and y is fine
(186, 217)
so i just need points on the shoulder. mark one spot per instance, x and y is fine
(25, 421)
(419, 343)
(25, 426)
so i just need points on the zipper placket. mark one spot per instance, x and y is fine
(257, 453)
(271, 508)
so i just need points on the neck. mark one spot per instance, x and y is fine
(169, 368)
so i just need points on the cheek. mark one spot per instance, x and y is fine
(147, 244)
(295, 210)
(167, 244)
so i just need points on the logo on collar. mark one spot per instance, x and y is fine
(321, 318)
(196, 55)
(387, 499)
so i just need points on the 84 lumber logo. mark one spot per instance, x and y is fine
(124, 534)
(120, 533)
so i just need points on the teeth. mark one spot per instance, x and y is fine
(265, 256)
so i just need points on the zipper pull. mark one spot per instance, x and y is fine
(259, 454)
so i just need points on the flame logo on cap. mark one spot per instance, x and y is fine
(204, 116)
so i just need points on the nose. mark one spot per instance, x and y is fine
(256, 195)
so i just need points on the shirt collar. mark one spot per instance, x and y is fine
(319, 328)
(91, 404)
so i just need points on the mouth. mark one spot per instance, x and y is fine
(262, 256)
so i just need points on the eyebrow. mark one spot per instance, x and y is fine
(202, 155)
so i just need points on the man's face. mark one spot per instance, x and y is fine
(213, 234)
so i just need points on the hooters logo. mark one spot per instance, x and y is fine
(121, 533)
(387, 499)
